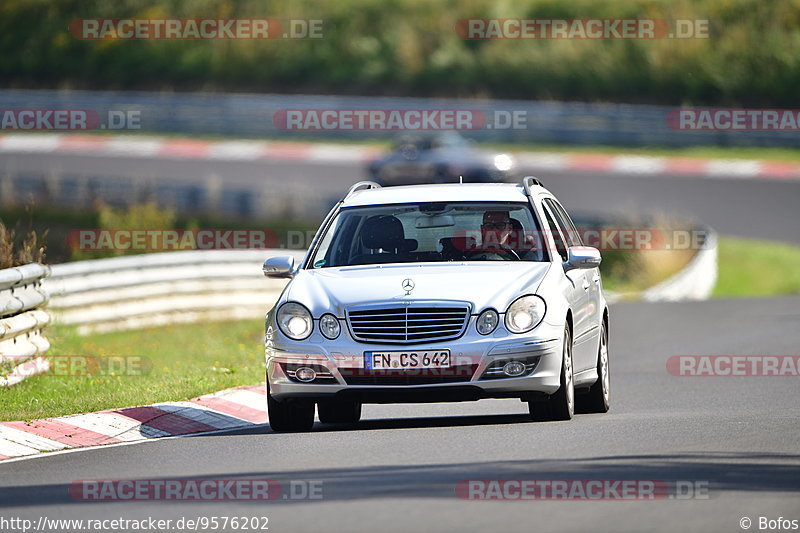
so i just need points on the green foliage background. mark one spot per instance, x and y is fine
(409, 47)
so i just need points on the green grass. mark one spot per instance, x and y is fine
(180, 362)
(632, 271)
(749, 268)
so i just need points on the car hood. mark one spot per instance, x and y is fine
(483, 284)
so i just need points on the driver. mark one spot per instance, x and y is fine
(496, 229)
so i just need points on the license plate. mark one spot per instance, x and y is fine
(403, 360)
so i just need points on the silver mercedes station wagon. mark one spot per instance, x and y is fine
(434, 293)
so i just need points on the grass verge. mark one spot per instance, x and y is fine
(749, 268)
(631, 271)
(153, 365)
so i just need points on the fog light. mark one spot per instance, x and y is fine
(513, 369)
(306, 374)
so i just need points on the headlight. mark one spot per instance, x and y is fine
(503, 162)
(329, 326)
(524, 314)
(487, 321)
(295, 321)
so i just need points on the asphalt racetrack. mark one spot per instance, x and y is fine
(758, 208)
(734, 439)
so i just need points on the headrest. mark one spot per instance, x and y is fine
(383, 231)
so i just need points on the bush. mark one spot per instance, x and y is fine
(146, 216)
(410, 47)
(21, 251)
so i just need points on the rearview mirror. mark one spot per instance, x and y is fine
(281, 266)
(582, 257)
(434, 221)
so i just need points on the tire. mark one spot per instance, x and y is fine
(561, 405)
(597, 399)
(339, 411)
(290, 415)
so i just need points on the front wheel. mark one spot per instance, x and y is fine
(289, 415)
(561, 405)
(339, 411)
(597, 399)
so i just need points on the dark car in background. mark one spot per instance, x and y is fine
(440, 158)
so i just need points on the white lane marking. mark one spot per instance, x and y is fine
(733, 168)
(30, 440)
(112, 425)
(543, 160)
(131, 431)
(247, 398)
(126, 145)
(33, 454)
(12, 449)
(634, 164)
(236, 150)
(335, 153)
(32, 142)
(202, 414)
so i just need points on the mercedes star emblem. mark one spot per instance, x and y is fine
(408, 285)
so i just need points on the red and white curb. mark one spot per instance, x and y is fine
(240, 407)
(236, 150)
(649, 165)
(244, 150)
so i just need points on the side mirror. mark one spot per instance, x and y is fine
(582, 257)
(281, 266)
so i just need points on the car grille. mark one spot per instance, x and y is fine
(430, 376)
(408, 324)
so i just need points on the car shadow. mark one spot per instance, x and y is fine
(741, 471)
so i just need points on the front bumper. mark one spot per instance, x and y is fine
(473, 375)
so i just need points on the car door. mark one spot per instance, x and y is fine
(579, 297)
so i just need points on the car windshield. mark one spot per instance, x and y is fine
(431, 232)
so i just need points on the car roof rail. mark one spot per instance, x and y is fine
(360, 186)
(528, 182)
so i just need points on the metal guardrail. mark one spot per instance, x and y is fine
(695, 281)
(251, 115)
(156, 289)
(22, 320)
